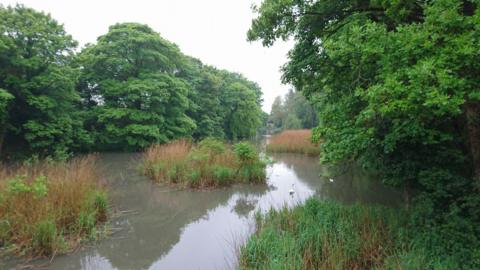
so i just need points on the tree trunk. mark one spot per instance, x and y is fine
(473, 129)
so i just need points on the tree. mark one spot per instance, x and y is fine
(206, 100)
(396, 83)
(39, 101)
(243, 111)
(277, 113)
(294, 112)
(129, 83)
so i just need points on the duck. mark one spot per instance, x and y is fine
(291, 191)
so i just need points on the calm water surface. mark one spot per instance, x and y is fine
(166, 228)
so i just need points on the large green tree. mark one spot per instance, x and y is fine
(130, 84)
(398, 91)
(206, 107)
(38, 100)
(242, 111)
(223, 104)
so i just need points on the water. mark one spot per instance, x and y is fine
(166, 228)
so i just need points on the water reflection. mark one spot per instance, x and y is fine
(184, 229)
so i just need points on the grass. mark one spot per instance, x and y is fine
(326, 235)
(210, 163)
(50, 208)
(293, 141)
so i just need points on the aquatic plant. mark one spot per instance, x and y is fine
(327, 235)
(293, 141)
(49, 208)
(209, 163)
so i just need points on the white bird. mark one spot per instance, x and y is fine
(291, 191)
(331, 180)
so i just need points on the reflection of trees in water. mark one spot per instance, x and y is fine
(243, 206)
(163, 214)
(355, 185)
(351, 184)
(305, 167)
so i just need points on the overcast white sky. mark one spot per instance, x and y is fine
(212, 30)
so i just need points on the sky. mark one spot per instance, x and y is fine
(213, 31)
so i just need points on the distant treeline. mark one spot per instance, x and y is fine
(130, 89)
(293, 111)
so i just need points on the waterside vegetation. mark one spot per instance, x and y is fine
(293, 141)
(324, 235)
(210, 163)
(50, 208)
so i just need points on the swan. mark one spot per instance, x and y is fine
(291, 191)
(331, 180)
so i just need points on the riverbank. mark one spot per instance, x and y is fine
(328, 235)
(50, 208)
(210, 163)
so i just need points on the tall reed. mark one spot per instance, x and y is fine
(209, 163)
(48, 208)
(293, 141)
(328, 236)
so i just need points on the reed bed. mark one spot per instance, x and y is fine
(293, 141)
(324, 235)
(210, 163)
(49, 208)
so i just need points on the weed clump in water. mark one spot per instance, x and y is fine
(293, 141)
(48, 208)
(210, 163)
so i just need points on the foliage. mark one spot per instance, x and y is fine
(210, 163)
(292, 112)
(225, 105)
(47, 208)
(38, 102)
(326, 235)
(128, 90)
(129, 84)
(396, 83)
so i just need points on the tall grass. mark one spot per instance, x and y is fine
(210, 163)
(293, 141)
(48, 208)
(326, 235)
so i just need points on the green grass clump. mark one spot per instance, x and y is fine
(50, 208)
(326, 235)
(210, 163)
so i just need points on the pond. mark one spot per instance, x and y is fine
(162, 227)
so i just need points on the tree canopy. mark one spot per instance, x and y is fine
(38, 100)
(396, 83)
(292, 112)
(128, 90)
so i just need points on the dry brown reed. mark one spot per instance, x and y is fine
(293, 141)
(211, 163)
(49, 207)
